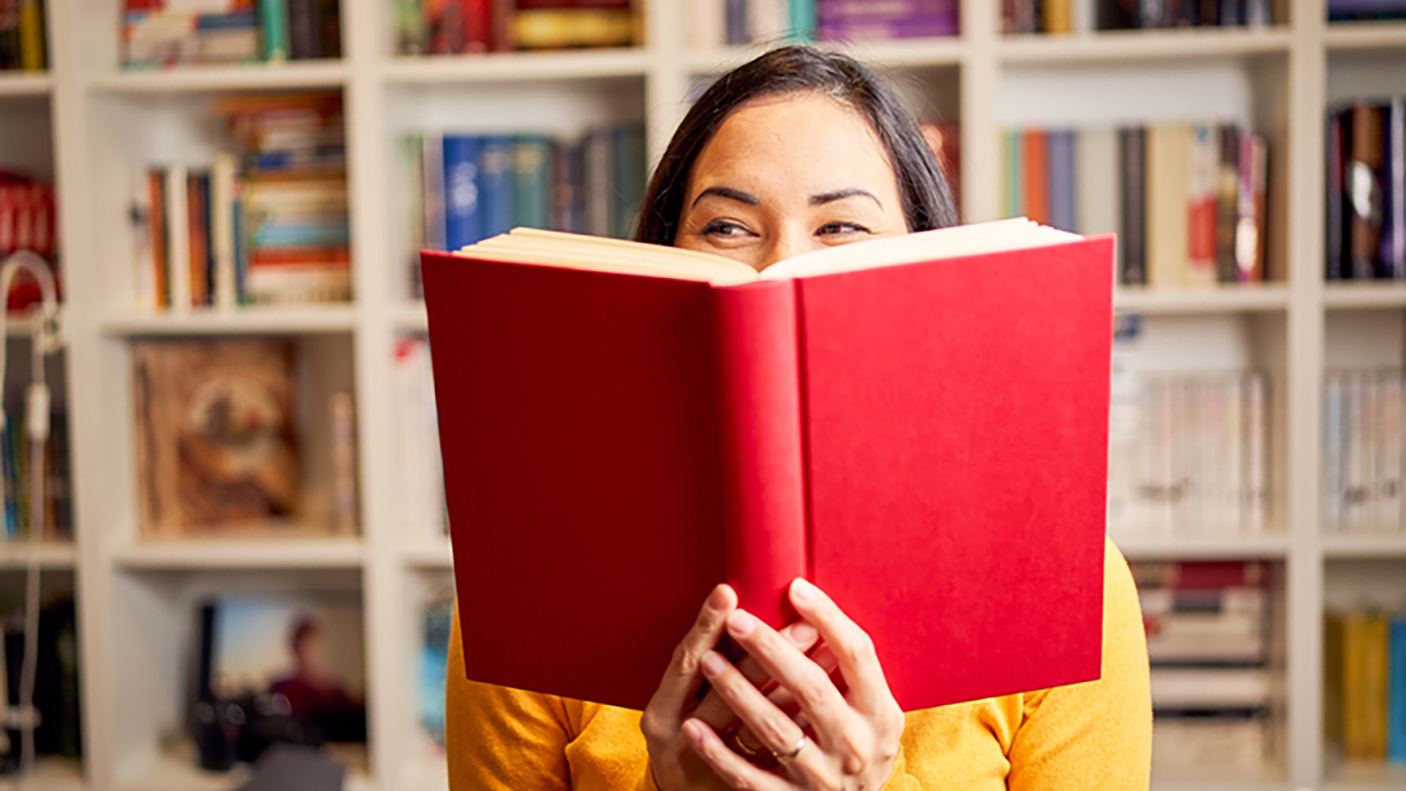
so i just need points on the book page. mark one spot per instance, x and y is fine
(961, 240)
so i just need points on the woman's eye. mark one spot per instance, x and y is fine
(839, 228)
(724, 229)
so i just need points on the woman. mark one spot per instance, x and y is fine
(795, 151)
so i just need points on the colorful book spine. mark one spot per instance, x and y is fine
(1064, 201)
(273, 17)
(463, 215)
(532, 172)
(495, 181)
(1396, 701)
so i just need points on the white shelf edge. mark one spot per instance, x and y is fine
(49, 774)
(256, 320)
(1221, 299)
(1372, 294)
(429, 555)
(1364, 545)
(19, 83)
(894, 53)
(1267, 546)
(1344, 36)
(518, 66)
(242, 553)
(18, 554)
(1145, 45)
(306, 74)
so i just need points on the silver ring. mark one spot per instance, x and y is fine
(786, 758)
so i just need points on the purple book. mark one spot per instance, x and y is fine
(854, 20)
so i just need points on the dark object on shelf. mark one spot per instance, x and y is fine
(1365, 10)
(289, 768)
(56, 685)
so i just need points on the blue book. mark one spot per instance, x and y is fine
(463, 219)
(1063, 201)
(1396, 694)
(496, 178)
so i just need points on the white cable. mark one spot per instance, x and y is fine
(46, 341)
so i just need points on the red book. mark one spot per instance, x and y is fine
(924, 437)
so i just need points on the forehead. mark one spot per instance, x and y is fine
(805, 140)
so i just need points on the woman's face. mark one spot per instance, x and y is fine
(785, 175)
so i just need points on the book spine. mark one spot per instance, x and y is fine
(1365, 149)
(532, 170)
(1202, 177)
(1396, 703)
(410, 28)
(160, 243)
(1063, 196)
(1394, 245)
(1227, 203)
(1035, 149)
(495, 185)
(1334, 417)
(735, 21)
(1254, 163)
(33, 53)
(304, 30)
(1389, 448)
(273, 17)
(764, 484)
(463, 220)
(222, 178)
(1256, 513)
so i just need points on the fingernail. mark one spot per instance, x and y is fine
(716, 598)
(712, 664)
(801, 590)
(693, 729)
(741, 623)
(802, 634)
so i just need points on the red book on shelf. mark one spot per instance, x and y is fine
(917, 424)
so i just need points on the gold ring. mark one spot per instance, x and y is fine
(785, 759)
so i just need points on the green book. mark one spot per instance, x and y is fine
(532, 171)
(273, 18)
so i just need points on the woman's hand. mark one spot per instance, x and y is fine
(674, 763)
(856, 733)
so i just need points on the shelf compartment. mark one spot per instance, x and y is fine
(305, 74)
(1365, 35)
(18, 554)
(302, 319)
(519, 67)
(242, 553)
(1364, 545)
(1267, 546)
(1224, 299)
(25, 84)
(1173, 44)
(1384, 294)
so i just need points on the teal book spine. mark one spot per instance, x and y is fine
(1396, 694)
(628, 160)
(532, 169)
(802, 20)
(273, 18)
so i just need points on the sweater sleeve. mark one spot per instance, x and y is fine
(498, 739)
(1096, 735)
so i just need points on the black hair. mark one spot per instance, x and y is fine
(927, 200)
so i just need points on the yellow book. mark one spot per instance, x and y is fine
(1365, 686)
(1059, 16)
(32, 49)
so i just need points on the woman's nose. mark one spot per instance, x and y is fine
(788, 243)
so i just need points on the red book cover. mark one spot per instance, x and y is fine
(926, 442)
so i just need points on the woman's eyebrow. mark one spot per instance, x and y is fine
(730, 193)
(830, 197)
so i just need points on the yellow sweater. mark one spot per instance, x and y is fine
(1096, 735)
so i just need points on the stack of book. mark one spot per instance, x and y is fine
(162, 33)
(1362, 451)
(1082, 16)
(463, 188)
(1188, 453)
(714, 23)
(451, 27)
(1365, 10)
(1207, 640)
(27, 222)
(1187, 200)
(1364, 664)
(16, 470)
(1366, 224)
(22, 36)
(418, 446)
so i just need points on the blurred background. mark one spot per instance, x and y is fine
(241, 423)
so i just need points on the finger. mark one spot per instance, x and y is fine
(868, 690)
(812, 688)
(782, 697)
(714, 710)
(731, 767)
(666, 708)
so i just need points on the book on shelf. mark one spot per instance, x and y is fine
(1365, 10)
(1366, 200)
(1362, 452)
(23, 36)
(462, 188)
(16, 471)
(1208, 636)
(1188, 200)
(28, 221)
(773, 422)
(215, 434)
(418, 446)
(436, 619)
(456, 27)
(1084, 16)
(160, 34)
(1365, 683)
(715, 23)
(1188, 453)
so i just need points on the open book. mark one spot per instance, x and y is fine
(917, 424)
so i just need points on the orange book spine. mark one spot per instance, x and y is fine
(1036, 145)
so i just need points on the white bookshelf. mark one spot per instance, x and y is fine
(89, 124)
